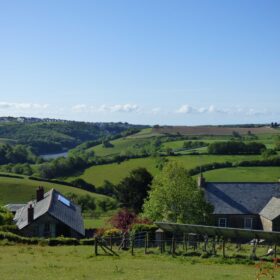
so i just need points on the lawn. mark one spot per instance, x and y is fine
(78, 262)
(13, 190)
(115, 172)
(244, 174)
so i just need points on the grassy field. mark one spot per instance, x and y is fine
(244, 174)
(78, 263)
(14, 190)
(115, 172)
(119, 145)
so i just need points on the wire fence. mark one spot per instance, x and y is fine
(180, 244)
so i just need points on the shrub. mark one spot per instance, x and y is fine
(143, 227)
(62, 241)
(90, 241)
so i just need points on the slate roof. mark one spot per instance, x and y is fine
(271, 209)
(13, 207)
(69, 215)
(240, 198)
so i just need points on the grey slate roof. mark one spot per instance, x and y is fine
(13, 207)
(271, 209)
(240, 198)
(69, 215)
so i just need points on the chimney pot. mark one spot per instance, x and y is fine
(39, 194)
(30, 214)
(201, 181)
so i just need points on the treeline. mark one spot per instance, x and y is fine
(50, 137)
(275, 161)
(17, 154)
(236, 148)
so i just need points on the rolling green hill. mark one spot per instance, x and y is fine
(244, 174)
(47, 136)
(115, 172)
(13, 190)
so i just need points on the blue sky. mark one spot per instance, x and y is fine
(149, 61)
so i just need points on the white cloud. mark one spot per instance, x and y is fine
(117, 108)
(122, 108)
(80, 108)
(185, 109)
(22, 106)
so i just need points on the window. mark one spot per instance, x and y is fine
(64, 200)
(248, 223)
(47, 230)
(222, 222)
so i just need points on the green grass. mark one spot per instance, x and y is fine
(14, 190)
(120, 145)
(244, 174)
(115, 172)
(101, 221)
(79, 263)
(145, 133)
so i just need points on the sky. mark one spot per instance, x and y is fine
(176, 62)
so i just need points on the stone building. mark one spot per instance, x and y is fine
(50, 215)
(244, 205)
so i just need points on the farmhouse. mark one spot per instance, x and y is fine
(244, 205)
(50, 215)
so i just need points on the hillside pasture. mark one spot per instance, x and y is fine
(119, 145)
(213, 130)
(115, 172)
(14, 190)
(244, 174)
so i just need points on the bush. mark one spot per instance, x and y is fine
(10, 228)
(62, 241)
(6, 217)
(90, 241)
(143, 227)
(235, 148)
(17, 238)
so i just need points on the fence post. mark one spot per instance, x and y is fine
(224, 244)
(132, 244)
(173, 246)
(275, 251)
(161, 242)
(146, 242)
(214, 246)
(96, 246)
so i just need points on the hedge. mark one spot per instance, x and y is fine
(11, 176)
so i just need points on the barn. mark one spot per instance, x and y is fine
(50, 215)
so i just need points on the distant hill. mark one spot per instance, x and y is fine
(52, 135)
(214, 130)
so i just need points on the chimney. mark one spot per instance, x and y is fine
(30, 214)
(39, 194)
(201, 181)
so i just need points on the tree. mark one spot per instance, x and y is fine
(175, 197)
(133, 189)
(268, 153)
(123, 219)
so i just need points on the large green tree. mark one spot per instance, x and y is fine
(175, 197)
(133, 189)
